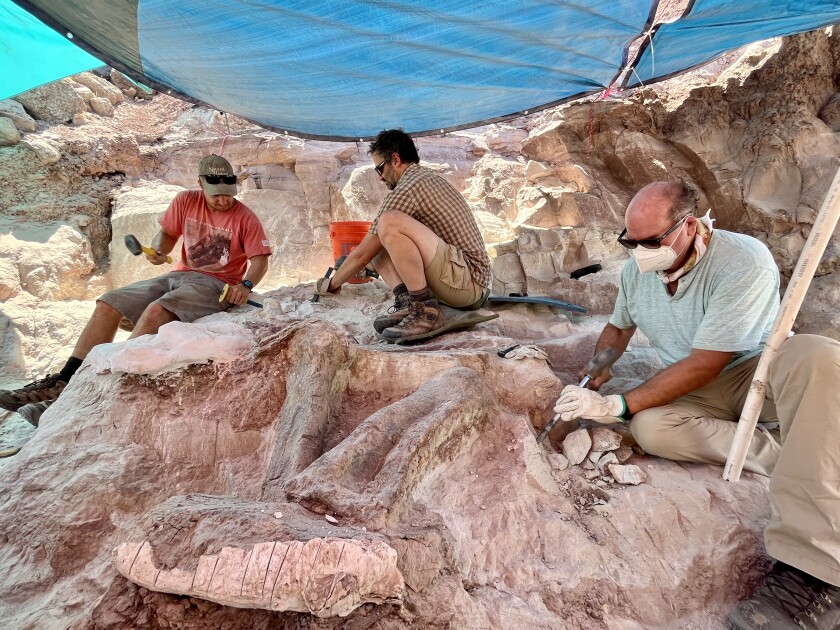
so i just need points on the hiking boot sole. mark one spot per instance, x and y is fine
(386, 321)
(467, 321)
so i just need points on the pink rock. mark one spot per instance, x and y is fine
(623, 453)
(627, 475)
(604, 439)
(576, 446)
(606, 460)
(558, 461)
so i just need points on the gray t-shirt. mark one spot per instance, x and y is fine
(726, 303)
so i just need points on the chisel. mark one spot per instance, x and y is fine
(596, 366)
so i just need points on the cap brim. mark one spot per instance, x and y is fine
(220, 189)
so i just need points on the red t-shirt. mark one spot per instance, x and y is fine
(218, 244)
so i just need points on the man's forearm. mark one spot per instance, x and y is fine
(700, 368)
(256, 269)
(163, 242)
(356, 260)
(614, 337)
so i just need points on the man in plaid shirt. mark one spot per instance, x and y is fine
(424, 242)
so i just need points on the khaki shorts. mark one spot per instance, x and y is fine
(186, 294)
(450, 280)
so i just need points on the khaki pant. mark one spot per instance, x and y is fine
(450, 280)
(802, 460)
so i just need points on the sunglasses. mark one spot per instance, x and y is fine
(219, 179)
(647, 243)
(380, 167)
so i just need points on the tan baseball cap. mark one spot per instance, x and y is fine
(216, 174)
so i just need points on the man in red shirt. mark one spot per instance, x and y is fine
(221, 236)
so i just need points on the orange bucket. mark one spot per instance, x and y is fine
(345, 236)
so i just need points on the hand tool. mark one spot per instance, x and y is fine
(335, 266)
(597, 365)
(224, 295)
(136, 248)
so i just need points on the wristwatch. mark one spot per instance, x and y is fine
(248, 284)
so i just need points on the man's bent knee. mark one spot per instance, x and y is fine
(156, 312)
(652, 427)
(105, 309)
(389, 221)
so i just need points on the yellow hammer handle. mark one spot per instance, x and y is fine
(151, 252)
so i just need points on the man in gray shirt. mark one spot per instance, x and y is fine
(706, 299)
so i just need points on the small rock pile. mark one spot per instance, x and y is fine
(70, 100)
(601, 454)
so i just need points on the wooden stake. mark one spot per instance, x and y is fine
(814, 248)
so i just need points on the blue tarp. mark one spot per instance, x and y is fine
(32, 53)
(351, 68)
(347, 69)
(712, 27)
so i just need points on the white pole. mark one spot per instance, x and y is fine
(814, 248)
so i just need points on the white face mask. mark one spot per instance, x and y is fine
(656, 259)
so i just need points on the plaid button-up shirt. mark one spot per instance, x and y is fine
(427, 197)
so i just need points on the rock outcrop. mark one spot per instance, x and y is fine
(372, 482)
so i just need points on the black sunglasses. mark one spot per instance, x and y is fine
(647, 243)
(218, 179)
(380, 167)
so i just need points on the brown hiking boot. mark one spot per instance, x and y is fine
(422, 318)
(396, 312)
(789, 599)
(47, 388)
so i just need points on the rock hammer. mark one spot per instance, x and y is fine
(597, 365)
(136, 248)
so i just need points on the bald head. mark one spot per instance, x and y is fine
(657, 206)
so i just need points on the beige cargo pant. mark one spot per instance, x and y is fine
(802, 459)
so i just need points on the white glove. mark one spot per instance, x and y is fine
(322, 287)
(527, 352)
(578, 402)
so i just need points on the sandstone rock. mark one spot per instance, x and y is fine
(604, 439)
(80, 119)
(558, 461)
(84, 93)
(594, 455)
(628, 474)
(14, 363)
(9, 279)
(53, 260)
(504, 138)
(606, 460)
(830, 112)
(9, 135)
(102, 106)
(47, 153)
(623, 453)
(100, 87)
(128, 87)
(136, 211)
(56, 102)
(576, 446)
(14, 110)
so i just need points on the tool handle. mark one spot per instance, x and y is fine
(224, 295)
(151, 252)
(547, 428)
(556, 418)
